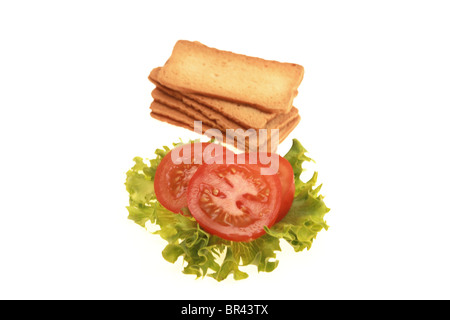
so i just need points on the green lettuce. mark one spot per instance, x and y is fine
(205, 254)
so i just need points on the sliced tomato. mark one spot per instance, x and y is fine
(234, 201)
(286, 174)
(284, 171)
(176, 169)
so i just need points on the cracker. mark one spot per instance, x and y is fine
(267, 85)
(209, 117)
(245, 115)
(176, 117)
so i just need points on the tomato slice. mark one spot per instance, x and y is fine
(284, 171)
(176, 169)
(286, 174)
(234, 201)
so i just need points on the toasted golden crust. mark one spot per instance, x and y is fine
(165, 99)
(217, 118)
(210, 117)
(267, 85)
(179, 118)
(245, 115)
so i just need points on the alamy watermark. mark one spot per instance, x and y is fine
(256, 143)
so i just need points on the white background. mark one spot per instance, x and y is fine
(74, 99)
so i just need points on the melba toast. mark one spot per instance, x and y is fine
(177, 118)
(267, 85)
(226, 91)
(245, 115)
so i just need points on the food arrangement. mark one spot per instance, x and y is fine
(212, 245)
(217, 208)
(225, 90)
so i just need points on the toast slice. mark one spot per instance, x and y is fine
(167, 96)
(163, 98)
(211, 118)
(175, 117)
(245, 115)
(267, 85)
(179, 118)
(183, 117)
(283, 133)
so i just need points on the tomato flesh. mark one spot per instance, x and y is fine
(234, 201)
(172, 177)
(284, 172)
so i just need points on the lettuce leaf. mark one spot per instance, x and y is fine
(205, 254)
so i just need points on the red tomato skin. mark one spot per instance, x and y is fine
(286, 174)
(286, 202)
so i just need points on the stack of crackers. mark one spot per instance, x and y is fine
(226, 90)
